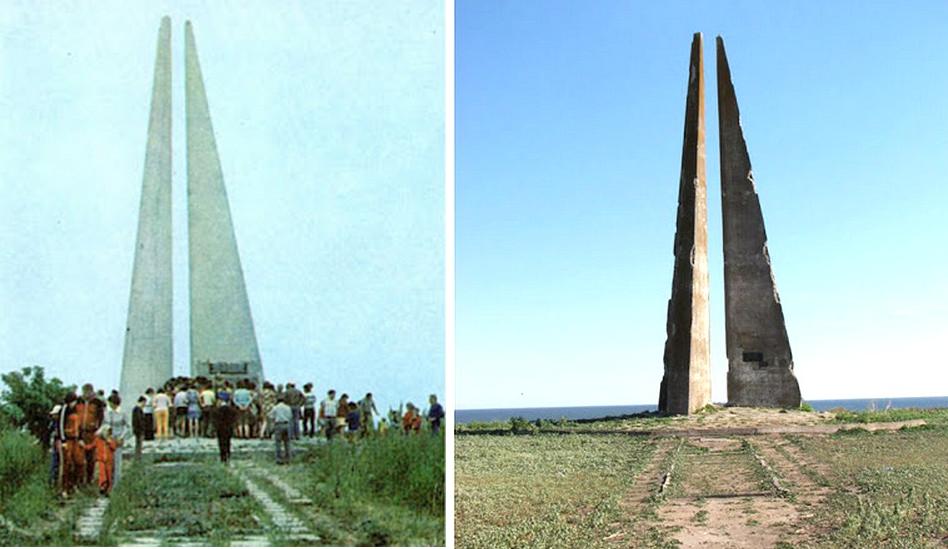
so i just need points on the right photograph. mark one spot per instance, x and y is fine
(700, 274)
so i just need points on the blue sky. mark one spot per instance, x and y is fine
(568, 138)
(329, 121)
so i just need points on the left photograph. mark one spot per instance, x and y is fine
(222, 239)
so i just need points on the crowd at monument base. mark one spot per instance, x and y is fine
(89, 432)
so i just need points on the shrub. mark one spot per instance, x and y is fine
(28, 397)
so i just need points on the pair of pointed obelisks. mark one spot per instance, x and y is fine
(222, 334)
(760, 365)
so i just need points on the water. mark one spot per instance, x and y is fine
(589, 412)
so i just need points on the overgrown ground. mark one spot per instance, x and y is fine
(740, 489)
(380, 491)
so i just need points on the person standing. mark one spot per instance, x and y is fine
(242, 400)
(139, 425)
(352, 422)
(55, 445)
(225, 417)
(73, 457)
(207, 409)
(295, 400)
(435, 414)
(104, 455)
(341, 412)
(327, 413)
(367, 410)
(280, 418)
(180, 411)
(194, 410)
(411, 421)
(149, 414)
(309, 410)
(268, 398)
(91, 410)
(161, 404)
(117, 424)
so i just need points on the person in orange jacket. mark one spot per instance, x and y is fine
(105, 446)
(90, 409)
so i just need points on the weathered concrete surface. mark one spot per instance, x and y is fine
(686, 386)
(760, 364)
(222, 331)
(148, 357)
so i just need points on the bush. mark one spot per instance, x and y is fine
(806, 407)
(28, 399)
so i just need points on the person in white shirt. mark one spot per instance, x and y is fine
(327, 413)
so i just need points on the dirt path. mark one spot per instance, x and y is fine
(723, 492)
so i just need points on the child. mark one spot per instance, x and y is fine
(104, 448)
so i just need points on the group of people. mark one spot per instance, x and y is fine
(89, 430)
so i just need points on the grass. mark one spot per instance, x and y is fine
(30, 510)
(198, 499)
(890, 489)
(932, 416)
(544, 490)
(387, 490)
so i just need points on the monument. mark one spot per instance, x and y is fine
(223, 342)
(222, 336)
(760, 365)
(148, 359)
(686, 385)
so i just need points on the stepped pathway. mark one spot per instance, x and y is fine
(292, 495)
(287, 525)
(725, 493)
(648, 483)
(89, 524)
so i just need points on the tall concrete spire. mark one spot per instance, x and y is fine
(760, 365)
(686, 386)
(222, 333)
(148, 357)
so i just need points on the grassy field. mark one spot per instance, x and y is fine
(850, 489)
(541, 491)
(890, 489)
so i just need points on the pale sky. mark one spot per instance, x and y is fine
(329, 119)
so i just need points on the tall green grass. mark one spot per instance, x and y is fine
(405, 470)
(28, 504)
(386, 490)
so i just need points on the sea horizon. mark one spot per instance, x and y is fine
(592, 412)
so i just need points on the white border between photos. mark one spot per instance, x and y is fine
(449, 269)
